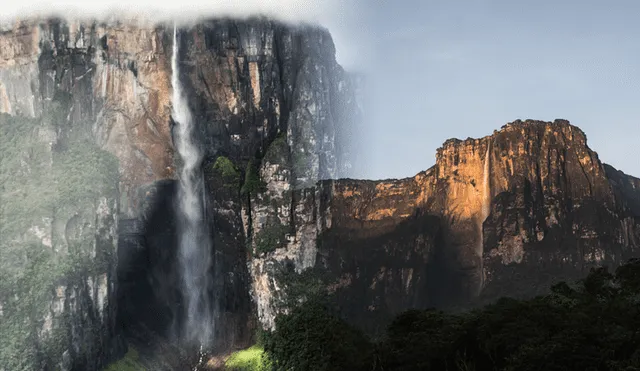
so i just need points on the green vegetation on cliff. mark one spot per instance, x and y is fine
(253, 183)
(130, 362)
(592, 325)
(300, 287)
(270, 237)
(53, 185)
(251, 359)
(227, 170)
(312, 337)
(278, 151)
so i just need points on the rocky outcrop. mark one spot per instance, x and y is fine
(507, 214)
(557, 210)
(85, 99)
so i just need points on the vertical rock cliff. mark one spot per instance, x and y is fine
(557, 210)
(507, 214)
(58, 217)
(249, 84)
(114, 78)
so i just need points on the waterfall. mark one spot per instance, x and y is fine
(485, 208)
(194, 250)
(486, 184)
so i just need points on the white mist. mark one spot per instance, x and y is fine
(194, 250)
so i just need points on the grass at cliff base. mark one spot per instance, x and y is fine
(251, 359)
(130, 362)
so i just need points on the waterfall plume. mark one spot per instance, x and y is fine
(194, 250)
(485, 209)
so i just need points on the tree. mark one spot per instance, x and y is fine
(312, 337)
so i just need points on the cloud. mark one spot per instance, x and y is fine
(159, 10)
(336, 15)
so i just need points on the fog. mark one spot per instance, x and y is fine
(341, 17)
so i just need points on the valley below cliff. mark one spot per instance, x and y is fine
(90, 177)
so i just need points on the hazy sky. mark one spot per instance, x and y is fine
(445, 68)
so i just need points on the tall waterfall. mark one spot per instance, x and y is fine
(486, 184)
(485, 208)
(194, 242)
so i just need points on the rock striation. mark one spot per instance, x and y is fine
(504, 215)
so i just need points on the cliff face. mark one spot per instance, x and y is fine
(274, 113)
(107, 85)
(557, 210)
(58, 216)
(114, 77)
(507, 214)
(60, 201)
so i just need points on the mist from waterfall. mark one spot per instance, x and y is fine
(194, 250)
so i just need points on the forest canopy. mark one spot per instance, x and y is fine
(593, 324)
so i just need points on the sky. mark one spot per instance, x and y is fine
(439, 69)
(444, 69)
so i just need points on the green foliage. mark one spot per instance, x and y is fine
(130, 362)
(227, 170)
(589, 326)
(278, 151)
(52, 181)
(251, 359)
(270, 237)
(84, 172)
(299, 287)
(311, 337)
(424, 340)
(253, 183)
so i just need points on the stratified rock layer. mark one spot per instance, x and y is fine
(507, 214)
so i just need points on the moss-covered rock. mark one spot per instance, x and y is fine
(299, 287)
(58, 207)
(225, 168)
(278, 151)
(271, 237)
(253, 183)
(130, 362)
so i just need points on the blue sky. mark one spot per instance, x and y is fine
(450, 68)
(442, 69)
